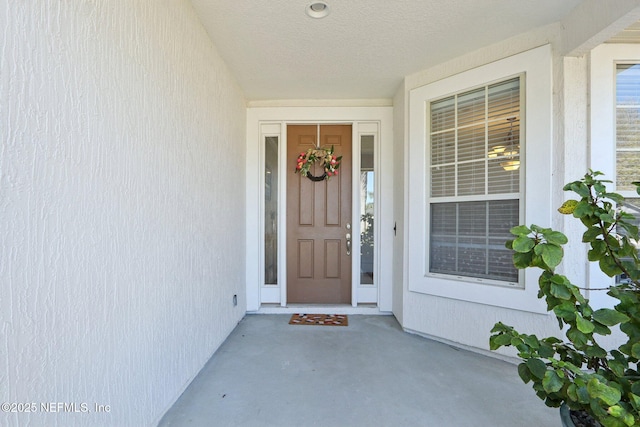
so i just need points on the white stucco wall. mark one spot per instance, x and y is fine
(399, 161)
(121, 207)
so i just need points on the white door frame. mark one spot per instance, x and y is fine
(272, 121)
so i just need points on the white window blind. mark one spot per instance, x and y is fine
(628, 139)
(475, 181)
(627, 126)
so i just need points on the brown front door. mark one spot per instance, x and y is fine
(318, 220)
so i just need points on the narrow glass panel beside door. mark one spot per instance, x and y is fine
(271, 210)
(367, 193)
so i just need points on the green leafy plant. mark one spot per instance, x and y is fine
(578, 371)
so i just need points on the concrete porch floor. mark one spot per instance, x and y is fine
(370, 373)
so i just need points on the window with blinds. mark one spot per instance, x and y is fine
(628, 139)
(627, 126)
(474, 195)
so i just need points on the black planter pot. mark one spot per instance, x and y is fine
(565, 416)
(567, 421)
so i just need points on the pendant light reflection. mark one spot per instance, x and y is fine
(508, 151)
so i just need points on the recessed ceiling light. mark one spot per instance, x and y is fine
(318, 9)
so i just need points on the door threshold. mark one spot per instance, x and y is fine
(320, 309)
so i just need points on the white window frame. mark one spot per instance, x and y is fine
(485, 197)
(536, 65)
(604, 59)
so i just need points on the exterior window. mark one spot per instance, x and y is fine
(628, 137)
(627, 126)
(474, 195)
(367, 200)
(271, 211)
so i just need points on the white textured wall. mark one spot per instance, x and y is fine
(121, 207)
(399, 161)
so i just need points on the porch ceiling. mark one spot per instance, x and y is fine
(364, 48)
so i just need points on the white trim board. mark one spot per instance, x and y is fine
(275, 119)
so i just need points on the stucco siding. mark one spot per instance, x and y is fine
(121, 208)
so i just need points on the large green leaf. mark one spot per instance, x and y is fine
(578, 187)
(560, 291)
(635, 350)
(615, 197)
(583, 209)
(552, 254)
(523, 244)
(497, 341)
(532, 341)
(617, 367)
(606, 217)
(609, 317)
(537, 367)
(566, 311)
(598, 250)
(552, 382)
(522, 260)
(584, 325)
(556, 238)
(578, 338)
(520, 230)
(598, 390)
(591, 234)
(596, 351)
(609, 267)
(524, 372)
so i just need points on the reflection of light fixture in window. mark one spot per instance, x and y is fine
(496, 151)
(507, 151)
(511, 165)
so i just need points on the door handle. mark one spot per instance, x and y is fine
(348, 237)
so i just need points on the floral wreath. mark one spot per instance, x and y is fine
(324, 156)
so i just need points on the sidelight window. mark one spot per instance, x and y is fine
(367, 209)
(271, 211)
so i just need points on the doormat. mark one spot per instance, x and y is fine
(320, 319)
